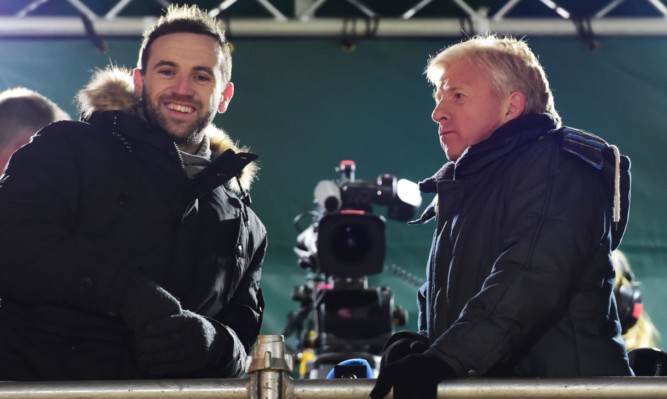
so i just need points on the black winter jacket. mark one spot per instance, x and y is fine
(520, 277)
(87, 205)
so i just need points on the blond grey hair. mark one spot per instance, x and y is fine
(511, 64)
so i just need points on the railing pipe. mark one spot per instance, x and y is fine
(139, 389)
(589, 388)
(269, 370)
(480, 388)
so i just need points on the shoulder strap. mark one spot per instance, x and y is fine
(615, 169)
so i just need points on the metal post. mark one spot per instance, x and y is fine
(659, 6)
(83, 9)
(269, 368)
(115, 10)
(29, 8)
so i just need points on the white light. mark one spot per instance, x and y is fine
(561, 11)
(408, 192)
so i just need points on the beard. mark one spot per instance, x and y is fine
(181, 133)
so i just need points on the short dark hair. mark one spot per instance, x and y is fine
(187, 19)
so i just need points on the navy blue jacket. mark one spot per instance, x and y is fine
(520, 277)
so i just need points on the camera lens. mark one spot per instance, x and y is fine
(351, 242)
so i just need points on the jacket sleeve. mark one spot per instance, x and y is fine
(242, 316)
(42, 262)
(556, 216)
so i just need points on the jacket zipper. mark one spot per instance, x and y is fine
(118, 135)
(180, 157)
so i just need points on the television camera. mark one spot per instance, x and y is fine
(344, 243)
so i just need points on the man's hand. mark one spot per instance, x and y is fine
(144, 301)
(413, 376)
(401, 344)
(179, 344)
(169, 340)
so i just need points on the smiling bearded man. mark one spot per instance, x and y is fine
(129, 247)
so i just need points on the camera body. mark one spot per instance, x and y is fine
(346, 239)
(344, 244)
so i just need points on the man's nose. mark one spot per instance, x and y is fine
(439, 112)
(182, 85)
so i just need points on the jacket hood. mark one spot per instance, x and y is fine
(112, 89)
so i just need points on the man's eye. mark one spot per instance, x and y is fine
(458, 96)
(203, 78)
(165, 72)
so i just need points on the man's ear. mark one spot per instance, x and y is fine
(138, 82)
(227, 95)
(515, 105)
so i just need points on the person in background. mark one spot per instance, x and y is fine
(129, 249)
(636, 325)
(519, 277)
(22, 113)
(642, 338)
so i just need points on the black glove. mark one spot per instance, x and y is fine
(180, 344)
(401, 344)
(414, 376)
(649, 362)
(143, 301)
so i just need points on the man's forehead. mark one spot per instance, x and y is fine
(186, 48)
(449, 83)
(461, 74)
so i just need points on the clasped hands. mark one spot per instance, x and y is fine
(169, 340)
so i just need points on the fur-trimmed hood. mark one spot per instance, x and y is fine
(112, 89)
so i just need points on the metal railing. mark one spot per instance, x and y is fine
(269, 370)
(607, 388)
(79, 20)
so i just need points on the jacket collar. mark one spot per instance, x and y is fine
(510, 136)
(504, 140)
(501, 142)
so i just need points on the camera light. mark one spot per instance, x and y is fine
(408, 192)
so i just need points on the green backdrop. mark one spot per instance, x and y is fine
(306, 104)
